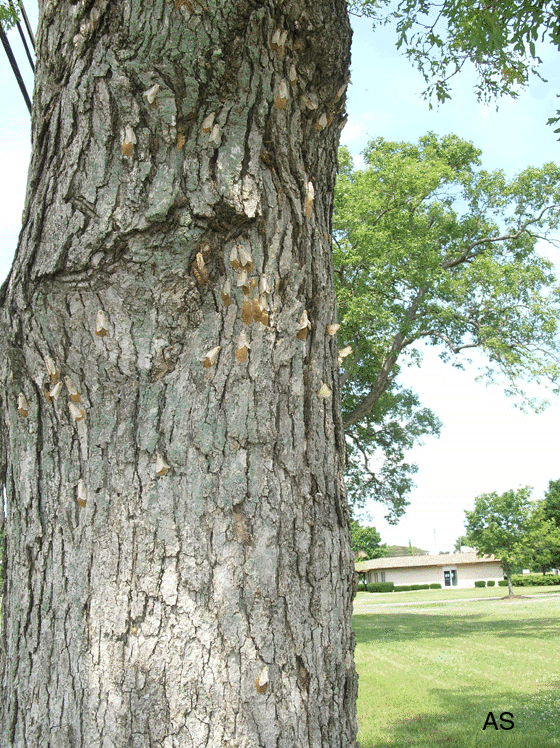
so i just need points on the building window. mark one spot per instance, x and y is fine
(450, 577)
(376, 577)
(382, 576)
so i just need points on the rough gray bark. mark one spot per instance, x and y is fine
(178, 562)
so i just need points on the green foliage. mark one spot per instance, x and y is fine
(545, 538)
(429, 248)
(498, 39)
(366, 540)
(552, 502)
(491, 583)
(394, 425)
(502, 583)
(507, 525)
(362, 584)
(380, 587)
(534, 580)
(402, 588)
(480, 583)
(435, 586)
(459, 543)
(8, 15)
(551, 511)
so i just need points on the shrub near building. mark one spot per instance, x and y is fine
(380, 587)
(534, 580)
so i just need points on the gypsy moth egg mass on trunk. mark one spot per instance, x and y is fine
(23, 407)
(324, 392)
(82, 493)
(77, 413)
(129, 141)
(211, 357)
(261, 683)
(281, 100)
(72, 390)
(51, 369)
(161, 466)
(101, 324)
(303, 326)
(208, 123)
(309, 197)
(243, 346)
(150, 95)
(56, 390)
(226, 292)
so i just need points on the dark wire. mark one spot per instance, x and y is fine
(28, 25)
(15, 68)
(18, 24)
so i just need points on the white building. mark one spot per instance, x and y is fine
(449, 569)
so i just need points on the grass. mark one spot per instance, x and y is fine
(463, 593)
(431, 673)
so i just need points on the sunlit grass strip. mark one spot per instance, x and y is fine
(429, 678)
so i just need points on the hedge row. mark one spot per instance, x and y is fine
(391, 587)
(380, 586)
(530, 580)
(491, 583)
(518, 580)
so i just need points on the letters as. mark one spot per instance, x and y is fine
(507, 723)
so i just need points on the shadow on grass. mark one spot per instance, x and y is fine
(403, 626)
(459, 722)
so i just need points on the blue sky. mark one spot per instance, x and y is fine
(486, 444)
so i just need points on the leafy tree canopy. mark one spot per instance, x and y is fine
(459, 543)
(500, 524)
(499, 38)
(8, 14)
(366, 541)
(544, 540)
(551, 502)
(512, 528)
(430, 248)
(551, 512)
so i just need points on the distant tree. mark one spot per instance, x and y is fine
(551, 502)
(429, 248)
(403, 550)
(547, 546)
(544, 540)
(367, 541)
(501, 524)
(459, 543)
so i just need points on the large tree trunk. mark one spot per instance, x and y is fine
(178, 564)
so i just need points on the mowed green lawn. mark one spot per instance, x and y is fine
(430, 673)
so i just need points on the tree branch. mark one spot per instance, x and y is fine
(383, 379)
(492, 239)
